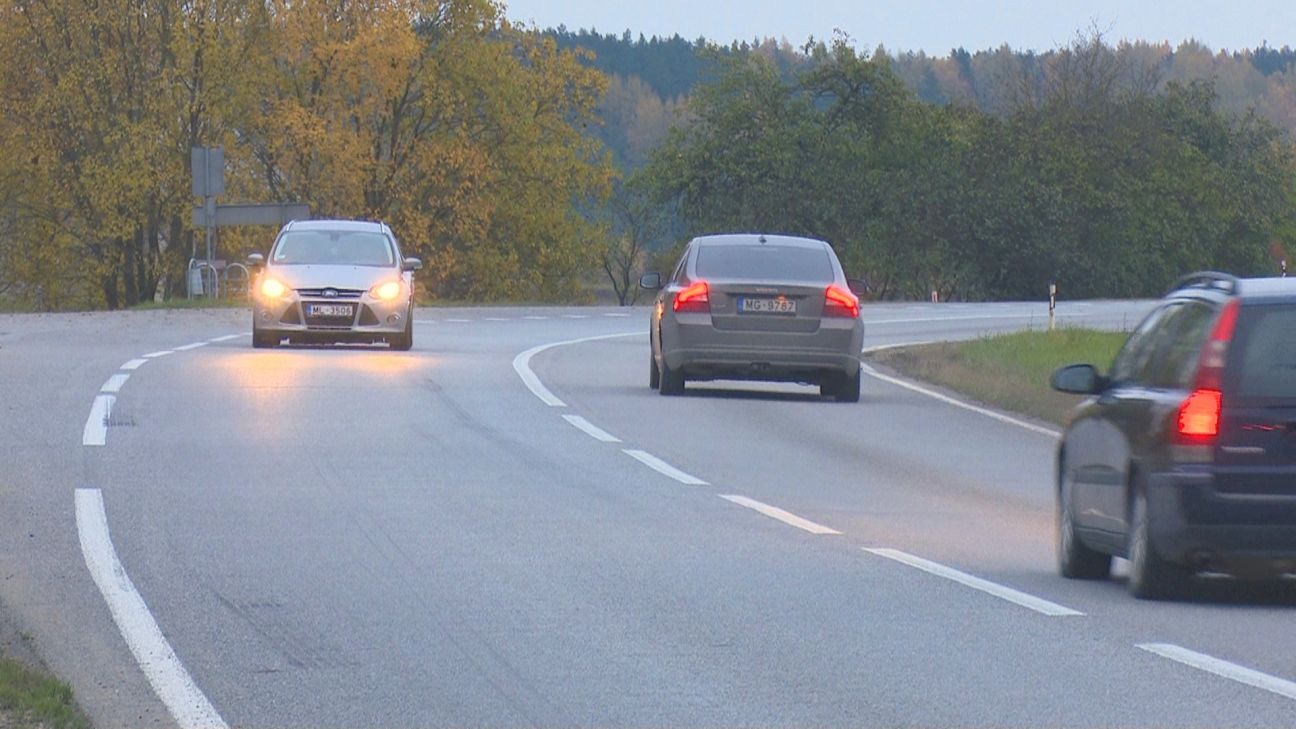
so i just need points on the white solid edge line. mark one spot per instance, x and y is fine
(664, 468)
(522, 365)
(225, 338)
(774, 512)
(884, 347)
(1041, 430)
(134, 364)
(591, 429)
(1017, 597)
(1223, 669)
(188, 347)
(168, 677)
(968, 317)
(154, 355)
(96, 425)
(114, 383)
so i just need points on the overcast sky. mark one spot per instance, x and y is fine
(935, 26)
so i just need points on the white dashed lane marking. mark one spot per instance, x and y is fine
(114, 383)
(591, 429)
(664, 468)
(134, 364)
(1017, 597)
(774, 512)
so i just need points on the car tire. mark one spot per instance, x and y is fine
(672, 381)
(1150, 576)
(405, 342)
(262, 340)
(843, 387)
(1076, 561)
(654, 374)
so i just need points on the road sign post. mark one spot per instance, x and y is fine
(208, 172)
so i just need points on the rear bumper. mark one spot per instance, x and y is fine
(1192, 523)
(701, 351)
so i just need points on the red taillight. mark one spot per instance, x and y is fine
(840, 302)
(696, 298)
(1199, 415)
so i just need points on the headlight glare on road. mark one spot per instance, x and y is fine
(273, 289)
(386, 291)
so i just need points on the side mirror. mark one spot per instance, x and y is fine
(651, 281)
(411, 264)
(255, 260)
(858, 286)
(1081, 379)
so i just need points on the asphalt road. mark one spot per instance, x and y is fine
(493, 531)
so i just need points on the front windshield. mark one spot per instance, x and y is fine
(333, 247)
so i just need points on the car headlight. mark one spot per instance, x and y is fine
(272, 288)
(386, 291)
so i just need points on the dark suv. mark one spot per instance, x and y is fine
(1184, 457)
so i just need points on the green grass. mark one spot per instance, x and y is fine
(1009, 371)
(34, 700)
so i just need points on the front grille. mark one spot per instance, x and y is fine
(320, 293)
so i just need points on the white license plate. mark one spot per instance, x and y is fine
(338, 310)
(767, 306)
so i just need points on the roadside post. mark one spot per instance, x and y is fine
(1052, 306)
(208, 167)
(1284, 268)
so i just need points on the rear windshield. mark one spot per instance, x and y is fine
(334, 247)
(1265, 358)
(765, 263)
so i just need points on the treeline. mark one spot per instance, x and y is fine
(653, 73)
(438, 116)
(1098, 174)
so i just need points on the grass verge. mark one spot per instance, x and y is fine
(31, 700)
(1008, 371)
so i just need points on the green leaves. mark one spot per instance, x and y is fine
(1094, 180)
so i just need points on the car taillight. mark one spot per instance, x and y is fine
(1199, 415)
(840, 302)
(696, 297)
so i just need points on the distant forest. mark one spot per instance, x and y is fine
(651, 78)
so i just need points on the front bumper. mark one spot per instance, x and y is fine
(1195, 524)
(370, 318)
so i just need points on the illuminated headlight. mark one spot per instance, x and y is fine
(273, 289)
(386, 291)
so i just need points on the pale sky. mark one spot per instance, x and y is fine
(935, 26)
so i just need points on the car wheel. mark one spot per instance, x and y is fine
(654, 374)
(848, 388)
(1075, 560)
(405, 342)
(1150, 577)
(671, 381)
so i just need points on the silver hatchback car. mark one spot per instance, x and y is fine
(334, 281)
(757, 307)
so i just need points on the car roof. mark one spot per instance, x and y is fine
(1218, 286)
(747, 239)
(355, 225)
(1268, 288)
